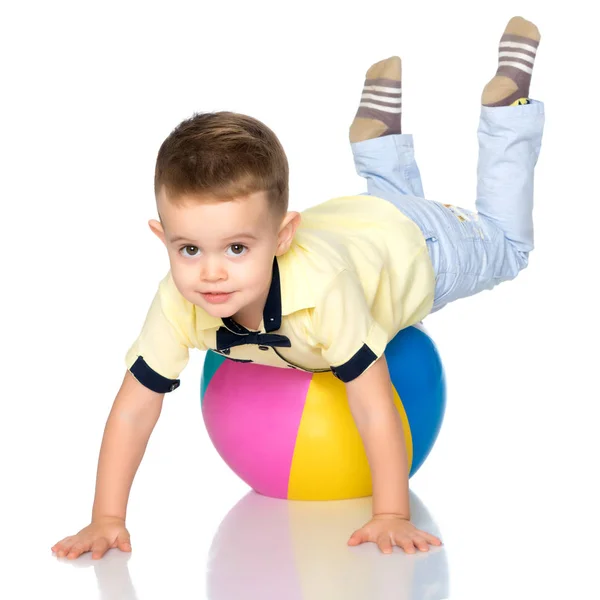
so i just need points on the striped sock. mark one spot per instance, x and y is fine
(516, 55)
(380, 109)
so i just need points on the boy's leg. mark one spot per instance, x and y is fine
(509, 145)
(510, 138)
(382, 154)
(492, 245)
(474, 251)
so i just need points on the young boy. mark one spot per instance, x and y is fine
(324, 290)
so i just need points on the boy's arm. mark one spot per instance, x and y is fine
(132, 418)
(134, 413)
(371, 402)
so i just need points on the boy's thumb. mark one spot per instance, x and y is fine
(123, 543)
(355, 538)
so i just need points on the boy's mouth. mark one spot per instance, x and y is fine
(216, 297)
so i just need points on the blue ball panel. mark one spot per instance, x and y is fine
(417, 374)
(212, 361)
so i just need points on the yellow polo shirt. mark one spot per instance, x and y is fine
(357, 272)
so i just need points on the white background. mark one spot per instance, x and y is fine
(89, 91)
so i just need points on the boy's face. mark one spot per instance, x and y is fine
(224, 246)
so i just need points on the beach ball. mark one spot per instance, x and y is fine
(290, 434)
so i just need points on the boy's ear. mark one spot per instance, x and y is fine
(287, 230)
(158, 230)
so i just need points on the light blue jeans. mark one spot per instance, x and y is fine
(470, 251)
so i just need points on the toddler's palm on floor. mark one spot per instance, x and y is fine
(387, 531)
(97, 538)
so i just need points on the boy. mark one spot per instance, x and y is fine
(327, 294)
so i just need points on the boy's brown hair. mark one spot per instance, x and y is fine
(223, 155)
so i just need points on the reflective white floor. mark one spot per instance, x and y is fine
(271, 549)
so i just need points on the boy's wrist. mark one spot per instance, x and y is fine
(106, 517)
(381, 515)
(390, 498)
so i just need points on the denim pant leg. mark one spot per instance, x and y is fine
(470, 251)
(510, 139)
(389, 166)
(492, 244)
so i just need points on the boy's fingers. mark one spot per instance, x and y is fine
(99, 548)
(358, 537)
(385, 543)
(123, 538)
(406, 544)
(432, 539)
(66, 546)
(62, 542)
(64, 549)
(123, 543)
(420, 543)
(77, 549)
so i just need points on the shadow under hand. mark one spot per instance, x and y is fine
(270, 549)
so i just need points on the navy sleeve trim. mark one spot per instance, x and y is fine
(151, 379)
(356, 365)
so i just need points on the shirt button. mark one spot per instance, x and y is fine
(263, 347)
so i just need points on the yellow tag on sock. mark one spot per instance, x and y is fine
(521, 101)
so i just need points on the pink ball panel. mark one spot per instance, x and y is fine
(252, 414)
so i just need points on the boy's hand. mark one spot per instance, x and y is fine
(97, 537)
(386, 530)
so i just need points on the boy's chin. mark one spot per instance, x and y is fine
(221, 310)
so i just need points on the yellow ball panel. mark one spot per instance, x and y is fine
(329, 461)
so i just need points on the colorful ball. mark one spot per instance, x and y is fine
(290, 434)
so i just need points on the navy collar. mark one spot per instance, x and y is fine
(272, 310)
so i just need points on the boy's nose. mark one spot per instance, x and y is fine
(213, 270)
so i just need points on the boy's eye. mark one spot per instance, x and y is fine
(194, 250)
(237, 249)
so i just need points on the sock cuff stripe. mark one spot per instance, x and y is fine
(378, 107)
(385, 101)
(385, 95)
(529, 50)
(520, 39)
(518, 65)
(520, 55)
(383, 89)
